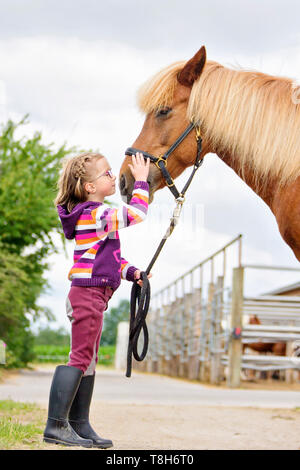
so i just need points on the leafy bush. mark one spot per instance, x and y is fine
(55, 354)
(51, 353)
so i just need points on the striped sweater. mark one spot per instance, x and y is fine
(97, 253)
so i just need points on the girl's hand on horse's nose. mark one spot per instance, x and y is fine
(140, 167)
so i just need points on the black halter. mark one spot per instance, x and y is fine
(161, 161)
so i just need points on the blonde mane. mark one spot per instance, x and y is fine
(248, 114)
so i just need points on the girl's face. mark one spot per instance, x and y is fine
(103, 182)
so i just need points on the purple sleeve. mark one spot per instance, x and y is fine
(127, 270)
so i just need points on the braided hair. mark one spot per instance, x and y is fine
(75, 173)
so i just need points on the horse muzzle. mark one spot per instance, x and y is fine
(126, 184)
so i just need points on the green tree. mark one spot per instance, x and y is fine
(14, 293)
(29, 172)
(111, 319)
(58, 337)
(28, 175)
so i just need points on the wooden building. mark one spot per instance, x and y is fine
(291, 289)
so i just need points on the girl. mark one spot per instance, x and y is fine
(96, 273)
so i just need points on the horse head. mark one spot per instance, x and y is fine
(165, 100)
(254, 320)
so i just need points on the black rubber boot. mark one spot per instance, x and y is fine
(80, 410)
(64, 386)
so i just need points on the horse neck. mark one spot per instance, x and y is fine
(237, 115)
(265, 192)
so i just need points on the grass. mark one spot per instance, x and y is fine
(55, 354)
(21, 425)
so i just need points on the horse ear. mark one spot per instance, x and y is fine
(193, 68)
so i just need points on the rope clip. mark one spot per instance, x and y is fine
(177, 211)
(176, 215)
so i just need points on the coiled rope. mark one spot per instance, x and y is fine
(140, 299)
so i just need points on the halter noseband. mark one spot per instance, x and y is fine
(161, 161)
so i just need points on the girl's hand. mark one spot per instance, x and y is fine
(137, 275)
(140, 167)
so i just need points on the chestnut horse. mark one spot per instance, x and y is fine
(249, 119)
(279, 349)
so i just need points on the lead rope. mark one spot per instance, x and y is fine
(140, 300)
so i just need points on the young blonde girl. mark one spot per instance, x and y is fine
(98, 268)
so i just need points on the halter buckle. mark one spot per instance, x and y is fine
(161, 159)
(198, 133)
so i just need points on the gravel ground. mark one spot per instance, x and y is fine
(149, 412)
(197, 427)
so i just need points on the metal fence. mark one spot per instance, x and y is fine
(187, 319)
(197, 323)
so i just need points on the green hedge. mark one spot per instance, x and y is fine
(53, 354)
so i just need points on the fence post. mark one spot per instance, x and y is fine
(122, 345)
(205, 364)
(289, 373)
(235, 343)
(193, 368)
(215, 369)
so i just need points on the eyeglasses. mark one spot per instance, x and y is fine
(108, 173)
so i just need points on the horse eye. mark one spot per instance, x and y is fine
(163, 111)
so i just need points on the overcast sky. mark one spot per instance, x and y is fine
(75, 67)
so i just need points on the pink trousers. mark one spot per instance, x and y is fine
(85, 307)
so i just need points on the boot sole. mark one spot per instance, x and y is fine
(49, 440)
(102, 446)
